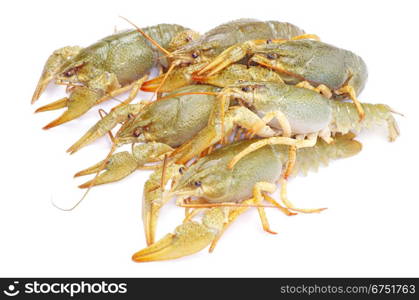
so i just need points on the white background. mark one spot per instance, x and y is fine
(370, 228)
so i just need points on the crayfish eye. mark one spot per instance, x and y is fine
(195, 54)
(181, 170)
(246, 89)
(137, 132)
(197, 183)
(272, 56)
(69, 73)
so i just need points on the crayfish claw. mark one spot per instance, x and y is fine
(41, 86)
(79, 102)
(64, 118)
(153, 84)
(226, 58)
(177, 78)
(119, 166)
(189, 238)
(61, 103)
(154, 197)
(104, 125)
(152, 203)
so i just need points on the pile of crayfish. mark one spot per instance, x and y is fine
(238, 111)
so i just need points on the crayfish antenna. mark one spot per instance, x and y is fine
(189, 93)
(171, 68)
(396, 112)
(92, 182)
(156, 44)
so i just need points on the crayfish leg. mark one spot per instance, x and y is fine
(321, 89)
(227, 57)
(306, 36)
(348, 89)
(288, 204)
(257, 194)
(283, 209)
(261, 143)
(258, 197)
(233, 215)
(135, 88)
(292, 158)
